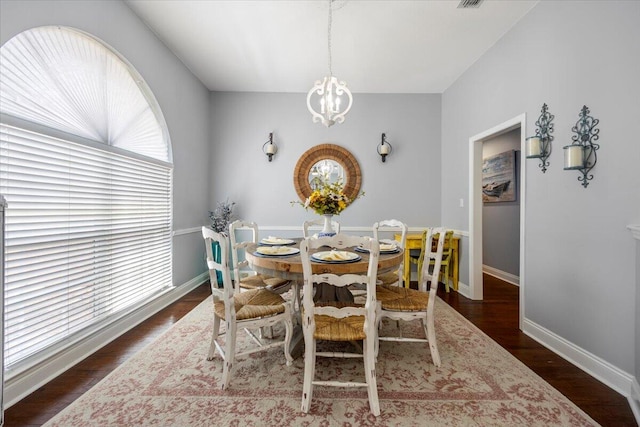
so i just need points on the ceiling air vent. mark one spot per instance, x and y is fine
(469, 4)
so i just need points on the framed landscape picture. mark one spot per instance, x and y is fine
(498, 178)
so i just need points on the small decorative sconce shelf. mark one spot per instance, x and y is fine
(269, 148)
(539, 146)
(581, 154)
(384, 149)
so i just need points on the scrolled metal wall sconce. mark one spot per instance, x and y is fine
(539, 146)
(269, 148)
(384, 148)
(581, 154)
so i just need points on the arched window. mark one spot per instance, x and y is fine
(85, 166)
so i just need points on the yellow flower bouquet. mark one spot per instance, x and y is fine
(328, 199)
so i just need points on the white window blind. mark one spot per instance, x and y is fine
(88, 235)
(85, 168)
(66, 79)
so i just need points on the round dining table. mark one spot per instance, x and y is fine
(290, 267)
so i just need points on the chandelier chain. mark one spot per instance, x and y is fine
(329, 36)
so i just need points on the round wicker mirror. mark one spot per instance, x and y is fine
(302, 172)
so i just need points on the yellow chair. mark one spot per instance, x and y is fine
(419, 260)
(447, 259)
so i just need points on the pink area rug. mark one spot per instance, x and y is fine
(170, 383)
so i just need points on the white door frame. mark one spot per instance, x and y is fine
(475, 205)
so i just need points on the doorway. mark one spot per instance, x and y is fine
(476, 207)
(501, 207)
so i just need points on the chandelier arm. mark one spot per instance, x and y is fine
(341, 87)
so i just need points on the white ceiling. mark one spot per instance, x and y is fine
(393, 46)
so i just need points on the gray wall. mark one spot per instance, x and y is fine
(580, 261)
(409, 181)
(183, 99)
(501, 221)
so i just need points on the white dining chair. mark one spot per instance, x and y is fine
(404, 304)
(336, 321)
(246, 278)
(394, 278)
(318, 224)
(249, 310)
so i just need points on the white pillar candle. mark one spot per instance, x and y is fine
(384, 149)
(573, 157)
(533, 147)
(271, 149)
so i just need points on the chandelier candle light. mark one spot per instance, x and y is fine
(327, 93)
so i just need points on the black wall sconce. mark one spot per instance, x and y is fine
(539, 146)
(384, 149)
(581, 154)
(269, 148)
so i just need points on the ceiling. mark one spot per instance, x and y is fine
(378, 46)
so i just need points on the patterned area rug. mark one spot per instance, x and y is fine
(170, 383)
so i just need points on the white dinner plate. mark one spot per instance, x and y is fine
(277, 250)
(335, 256)
(276, 241)
(385, 248)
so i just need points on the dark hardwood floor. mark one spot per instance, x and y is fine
(497, 316)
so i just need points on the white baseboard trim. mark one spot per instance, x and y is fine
(464, 289)
(598, 368)
(502, 275)
(27, 382)
(634, 399)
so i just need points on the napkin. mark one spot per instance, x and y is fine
(273, 239)
(337, 256)
(274, 250)
(387, 247)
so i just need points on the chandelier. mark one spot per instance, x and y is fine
(328, 94)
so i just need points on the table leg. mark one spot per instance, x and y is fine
(296, 303)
